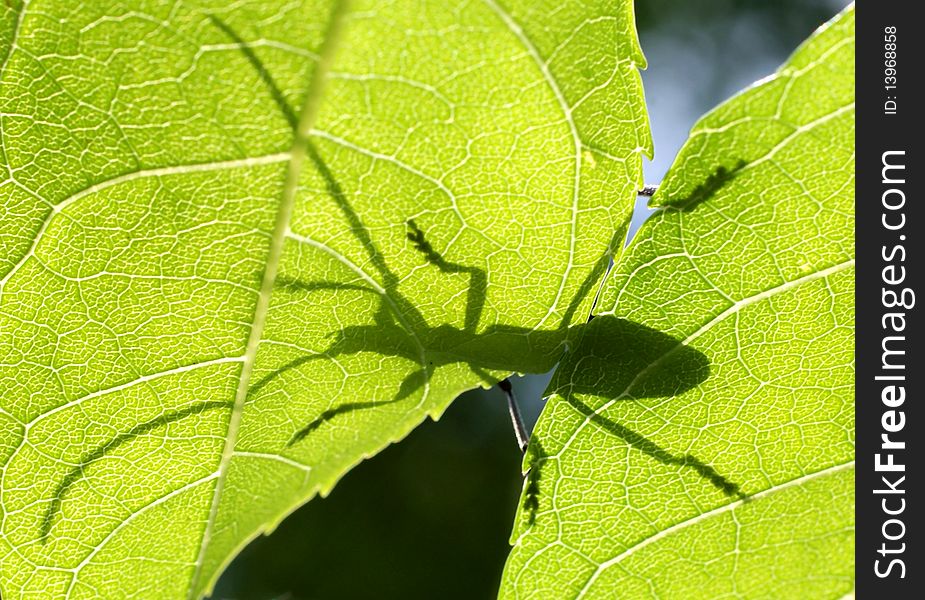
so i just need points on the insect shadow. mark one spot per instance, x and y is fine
(78, 471)
(649, 362)
(621, 359)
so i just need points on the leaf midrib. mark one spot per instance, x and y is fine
(298, 154)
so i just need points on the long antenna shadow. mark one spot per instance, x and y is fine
(334, 189)
(78, 472)
(261, 70)
(357, 227)
(404, 309)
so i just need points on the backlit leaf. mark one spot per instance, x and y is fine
(711, 453)
(170, 389)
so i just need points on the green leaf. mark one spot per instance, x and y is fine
(182, 362)
(710, 453)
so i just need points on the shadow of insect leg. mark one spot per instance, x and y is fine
(642, 443)
(412, 383)
(78, 472)
(478, 280)
(531, 503)
(316, 286)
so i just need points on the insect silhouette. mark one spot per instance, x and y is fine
(617, 347)
(398, 324)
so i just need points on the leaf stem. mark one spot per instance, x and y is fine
(520, 430)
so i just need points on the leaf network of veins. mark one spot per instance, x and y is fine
(394, 313)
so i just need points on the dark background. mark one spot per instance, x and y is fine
(430, 517)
